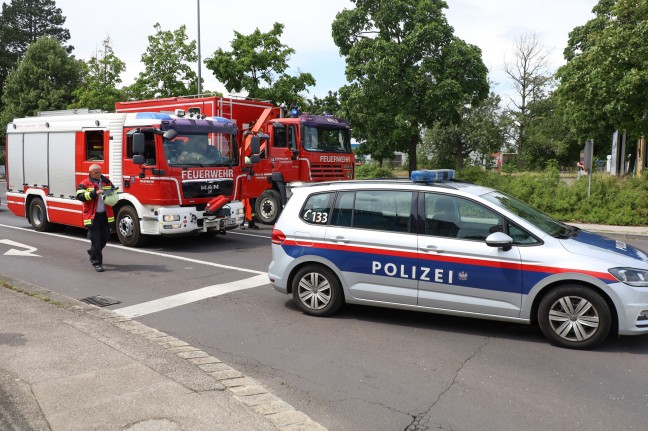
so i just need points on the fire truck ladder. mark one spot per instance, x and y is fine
(225, 107)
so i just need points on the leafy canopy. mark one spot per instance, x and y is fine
(168, 69)
(406, 70)
(604, 85)
(43, 80)
(22, 23)
(257, 64)
(479, 133)
(101, 77)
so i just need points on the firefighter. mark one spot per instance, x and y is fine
(250, 215)
(96, 216)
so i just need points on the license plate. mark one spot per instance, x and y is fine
(230, 222)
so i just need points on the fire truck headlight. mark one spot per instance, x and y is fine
(240, 211)
(170, 217)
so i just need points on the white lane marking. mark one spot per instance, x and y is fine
(29, 250)
(138, 250)
(191, 296)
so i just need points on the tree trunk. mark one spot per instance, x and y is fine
(412, 153)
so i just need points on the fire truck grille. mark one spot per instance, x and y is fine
(208, 188)
(326, 172)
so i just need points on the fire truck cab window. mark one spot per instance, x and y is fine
(149, 148)
(280, 136)
(292, 141)
(94, 145)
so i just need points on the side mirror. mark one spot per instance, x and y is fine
(499, 239)
(170, 134)
(255, 145)
(138, 143)
(254, 158)
(138, 159)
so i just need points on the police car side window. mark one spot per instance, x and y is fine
(454, 217)
(317, 208)
(343, 210)
(521, 236)
(387, 210)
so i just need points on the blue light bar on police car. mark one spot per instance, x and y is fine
(432, 175)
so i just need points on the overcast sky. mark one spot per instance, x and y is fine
(490, 24)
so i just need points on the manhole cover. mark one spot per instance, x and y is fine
(100, 301)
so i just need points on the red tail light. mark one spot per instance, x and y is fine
(278, 237)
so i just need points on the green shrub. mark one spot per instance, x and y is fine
(372, 170)
(612, 200)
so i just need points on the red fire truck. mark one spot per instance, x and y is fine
(175, 175)
(292, 148)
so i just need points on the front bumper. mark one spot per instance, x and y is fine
(183, 220)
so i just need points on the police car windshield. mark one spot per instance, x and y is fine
(326, 139)
(536, 217)
(214, 149)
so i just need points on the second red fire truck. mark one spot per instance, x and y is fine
(293, 148)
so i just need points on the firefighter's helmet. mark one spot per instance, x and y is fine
(110, 197)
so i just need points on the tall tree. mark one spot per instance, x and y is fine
(168, 66)
(22, 22)
(101, 80)
(604, 85)
(548, 136)
(528, 70)
(479, 134)
(44, 79)
(329, 104)
(406, 70)
(257, 64)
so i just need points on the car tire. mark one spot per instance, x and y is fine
(38, 216)
(268, 206)
(574, 317)
(317, 290)
(128, 227)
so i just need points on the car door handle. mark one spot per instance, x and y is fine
(341, 239)
(432, 248)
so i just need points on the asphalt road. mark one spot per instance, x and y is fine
(363, 369)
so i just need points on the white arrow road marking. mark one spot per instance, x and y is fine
(13, 252)
(191, 296)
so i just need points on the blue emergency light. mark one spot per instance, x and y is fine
(152, 116)
(432, 175)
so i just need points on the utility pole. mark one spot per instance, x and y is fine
(199, 62)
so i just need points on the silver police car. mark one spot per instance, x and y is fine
(433, 244)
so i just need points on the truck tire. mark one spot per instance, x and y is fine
(128, 227)
(268, 206)
(38, 216)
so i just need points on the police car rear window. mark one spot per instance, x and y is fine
(317, 208)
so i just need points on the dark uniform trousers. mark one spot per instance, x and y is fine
(98, 236)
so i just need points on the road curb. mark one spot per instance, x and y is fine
(242, 388)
